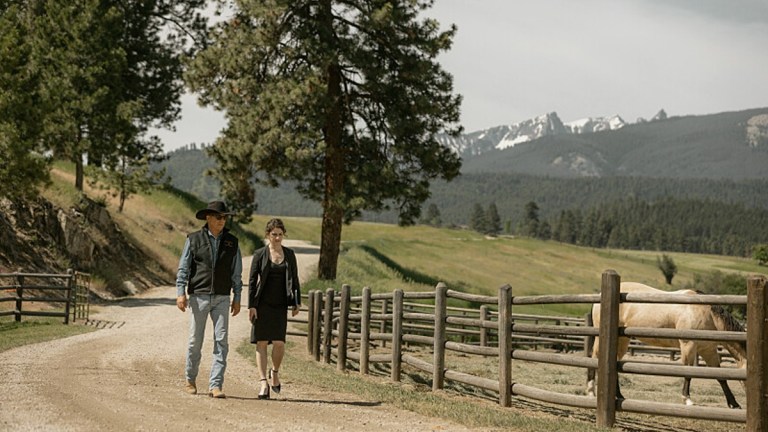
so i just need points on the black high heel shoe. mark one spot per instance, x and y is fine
(263, 395)
(275, 388)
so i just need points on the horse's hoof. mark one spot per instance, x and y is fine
(688, 402)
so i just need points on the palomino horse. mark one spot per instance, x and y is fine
(681, 317)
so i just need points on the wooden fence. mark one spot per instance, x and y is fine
(71, 289)
(347, 326)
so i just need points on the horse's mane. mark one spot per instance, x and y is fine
(730, 323)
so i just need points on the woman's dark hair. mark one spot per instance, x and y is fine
(275, 223)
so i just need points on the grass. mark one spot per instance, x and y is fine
(479, 408)
(15, 334)
(414, 396)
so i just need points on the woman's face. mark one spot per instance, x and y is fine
(275, 236)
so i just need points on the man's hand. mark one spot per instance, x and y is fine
(182, 302)
(252, 314)
(235, 308)
(295, 311)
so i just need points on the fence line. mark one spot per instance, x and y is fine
(40, 288)
(348, 326)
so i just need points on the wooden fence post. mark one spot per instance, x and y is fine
(317, 307)
(383, 322)
(505, 346)
(757, 354)
(70, 294)
(310, 319)
(365, 330)
(397, 334)
(483, 330)
(607, 369)
(328, 325)
(341, 351)
(438, 351)
(19, 297)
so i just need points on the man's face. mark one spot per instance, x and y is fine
(216, 222)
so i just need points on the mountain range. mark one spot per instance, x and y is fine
(732, 145)
(505, 136)
(720, 157)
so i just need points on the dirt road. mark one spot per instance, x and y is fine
(129, 376)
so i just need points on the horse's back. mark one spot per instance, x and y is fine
(655, 315)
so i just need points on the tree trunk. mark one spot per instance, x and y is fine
(333, 212)
(78, 159)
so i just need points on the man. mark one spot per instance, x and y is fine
(210, 269)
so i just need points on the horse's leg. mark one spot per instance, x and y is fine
(622, 346)
(621, 350)
(688, 356)
(712, 358)
(591, 372)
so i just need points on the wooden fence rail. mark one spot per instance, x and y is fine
(70, 288)
(349, 326)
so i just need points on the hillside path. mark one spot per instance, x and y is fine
(129, 377)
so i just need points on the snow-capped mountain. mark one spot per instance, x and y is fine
(595, 124)
(501, 137)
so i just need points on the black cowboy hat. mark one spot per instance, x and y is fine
(217, 207)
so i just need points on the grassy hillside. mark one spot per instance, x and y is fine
(508, 190)
(386, 257)
(157, 222)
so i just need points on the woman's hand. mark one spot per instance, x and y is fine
(295, 311)
(252, 315)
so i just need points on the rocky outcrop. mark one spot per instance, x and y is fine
(757, 131)
(37, 237)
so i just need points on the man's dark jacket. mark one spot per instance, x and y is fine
(203, 278)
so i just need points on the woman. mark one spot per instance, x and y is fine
(274, 287)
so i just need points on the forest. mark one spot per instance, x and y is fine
(701, 216)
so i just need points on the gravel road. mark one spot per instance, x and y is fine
(129, 376)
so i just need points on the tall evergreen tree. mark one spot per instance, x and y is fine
(22, 165)
(477, 220)
(493, 221)
(760, 253)
(110, 70)
(530, 223)
(432, 217)
(344, 97)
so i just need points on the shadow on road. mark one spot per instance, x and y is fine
(318, 401)
(143, 302)
(314, 250)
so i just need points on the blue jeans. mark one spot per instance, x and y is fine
(217, 306)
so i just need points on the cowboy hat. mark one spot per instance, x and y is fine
(217, 207)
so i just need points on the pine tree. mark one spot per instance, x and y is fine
(110, 70)
(760, 253)
(493, 220)
(432, 216)
(345, 98)
(22, 165)
(530, 223)
(477, 220)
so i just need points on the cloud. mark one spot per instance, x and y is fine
(736, 11)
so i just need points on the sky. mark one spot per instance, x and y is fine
(513, 60)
